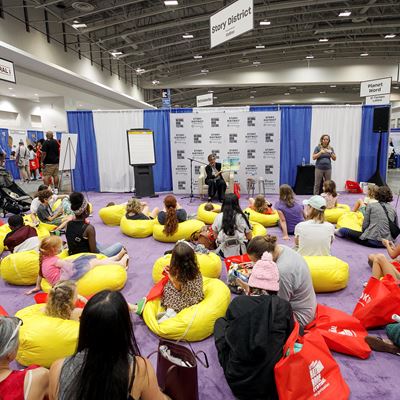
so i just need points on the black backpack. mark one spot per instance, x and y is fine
(249, 341)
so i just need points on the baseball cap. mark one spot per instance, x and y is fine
(317, 202)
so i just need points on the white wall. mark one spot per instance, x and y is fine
(21, 110)
(54, 116)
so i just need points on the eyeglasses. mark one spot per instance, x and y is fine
(16, 330)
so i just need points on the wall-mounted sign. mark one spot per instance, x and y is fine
(166, 98)
(379, 99)
(375, 87)
(231, 21)
(205, 100)
(7, 71)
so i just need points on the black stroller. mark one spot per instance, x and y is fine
(12, 198)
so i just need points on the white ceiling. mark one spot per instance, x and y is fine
(23, 92)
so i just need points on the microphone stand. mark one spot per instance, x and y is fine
(191, 196)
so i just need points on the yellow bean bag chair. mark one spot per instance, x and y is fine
(42, 229)
(112, 215)
(185, 230)
(20, 268)
(43, 339)
(103, 277)
(207, 217)
(210, 265)
(139, 228)
(351, 220)
(263, 219)
(258, 229)
(193, 323)
(328, 273)
(333, 214)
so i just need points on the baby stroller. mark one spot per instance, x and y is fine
(12, 198)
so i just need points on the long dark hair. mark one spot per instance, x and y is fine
(183, 263)
(171, 220)
(230, 207)
(107, 339)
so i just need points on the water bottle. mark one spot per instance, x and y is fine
(396, 317)
(303, 162)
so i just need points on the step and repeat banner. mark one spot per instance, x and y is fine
(251, 139)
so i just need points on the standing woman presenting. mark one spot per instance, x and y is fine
(323, 153)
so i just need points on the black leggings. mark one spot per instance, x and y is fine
(355, 237)
(216, 186)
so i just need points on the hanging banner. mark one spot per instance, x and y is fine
(7, 71)
(231, 22)
(375, 87)
(205, 100)
(247, 142)
(166, 98)
(378, 100)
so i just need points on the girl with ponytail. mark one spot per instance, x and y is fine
(171, 215)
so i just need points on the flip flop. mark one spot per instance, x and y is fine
(378, 344)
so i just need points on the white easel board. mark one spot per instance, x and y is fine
(69, 145)
(141, 147)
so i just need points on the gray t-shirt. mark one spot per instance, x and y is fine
(324, 160)
(295, 285)
(44, 212)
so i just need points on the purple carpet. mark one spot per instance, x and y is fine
(368, 379)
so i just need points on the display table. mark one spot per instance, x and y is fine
(305, 179)
(11, 166)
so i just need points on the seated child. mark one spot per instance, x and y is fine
(264, 278)
(261, 205)
(54, 269)
(210, 207)
(22, 237)
(61, 301)
(329, 194)
(137, 210)
(361, 204)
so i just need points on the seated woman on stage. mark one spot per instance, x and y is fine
(375, 227)
(136, 209)
(215, 180)
(172, 214)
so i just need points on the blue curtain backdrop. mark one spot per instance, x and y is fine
(86, 174)
(4, 141)
(34, 136)
(158, 122)
(295, 138)
(58, 135)
(369, 141)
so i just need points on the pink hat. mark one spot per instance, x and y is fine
(265, 274)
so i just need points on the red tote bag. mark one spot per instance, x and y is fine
(311, 373)
(236, 260)
(342, 332)
(379, 300)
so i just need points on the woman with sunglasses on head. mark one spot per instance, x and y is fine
(28, 384)
(107, 364)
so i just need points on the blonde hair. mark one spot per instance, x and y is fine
(260, 203)
(60, 302)
(49, 246)
(316, 215)
(134, 206)
(372, 190)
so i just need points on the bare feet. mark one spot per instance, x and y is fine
(125, 261)
(121, 254)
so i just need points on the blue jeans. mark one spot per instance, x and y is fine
(355, 237)
(109, 251)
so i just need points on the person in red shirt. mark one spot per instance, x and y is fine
(22, 237)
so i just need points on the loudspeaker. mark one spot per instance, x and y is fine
(144, 182)
(381, 119)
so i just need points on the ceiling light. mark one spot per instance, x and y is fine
(322, 92)
(324, 40)
(345, 13)
(171, 2)
(198, 57)
(253, 91)
(364, 54)
(36, 94)
(287, 94)
(140, 70)
(215, 97)
(211, 91)
(77, 26)
(310, 57)
(10, 88)
(332, 86)
(204, 71)
(293, 87)
(260, 46)
(116, 53)
(390, 36)
(188, 36)
(265, 22)
(256, 62)
(155, 82)
(395, 87)
(252, 97)
(76, 21)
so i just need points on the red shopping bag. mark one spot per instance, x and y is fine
(236, 189)
(379, 300)
(236, 260)
(342, 332)
(3, 311)
(157, 290)
(311, 373)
